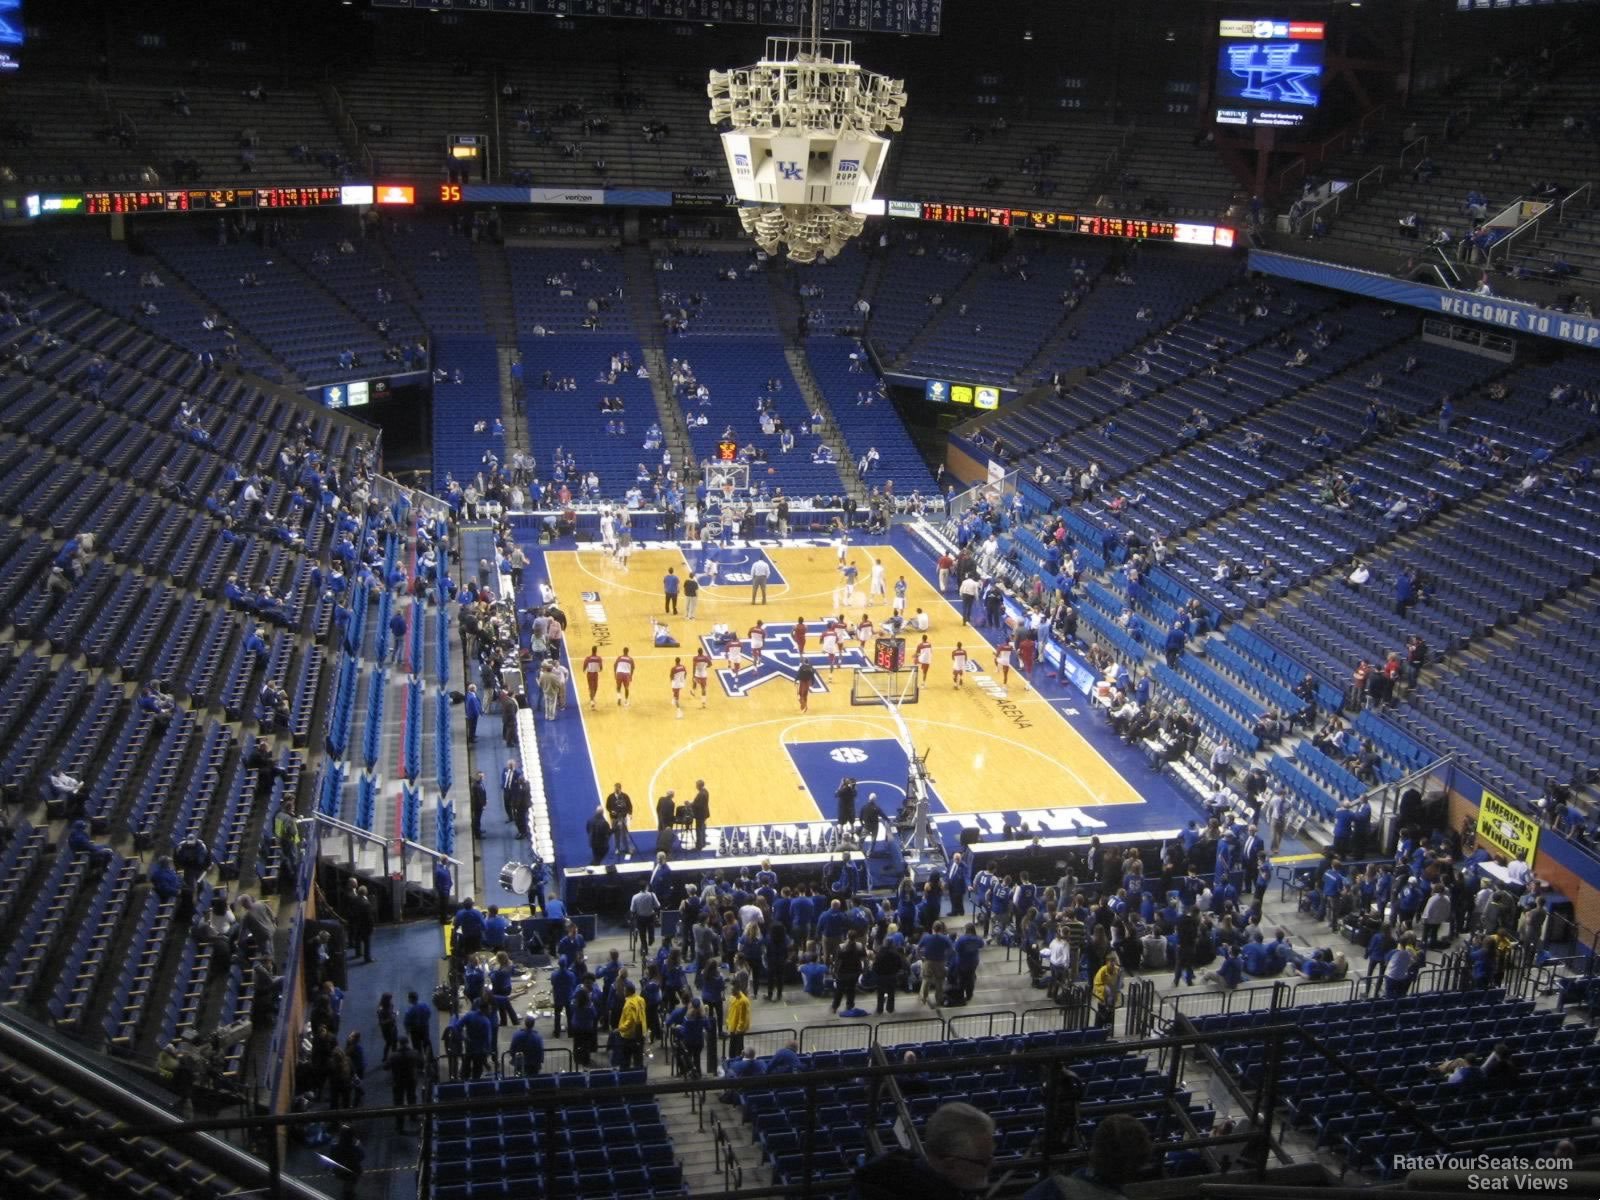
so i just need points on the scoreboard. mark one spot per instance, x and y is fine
(838, 16)
(1092, 224)
(99, 204)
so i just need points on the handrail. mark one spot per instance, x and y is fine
(347, 125)
(1586, 189)
(1378, 793)
(547, 1103)
(1499, 247)
(352, 833)
(495, 163)
(407, 846)
(1411, 145)
(1353, 192)
(1322, 150)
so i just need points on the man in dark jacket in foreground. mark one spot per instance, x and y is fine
(957, 1152)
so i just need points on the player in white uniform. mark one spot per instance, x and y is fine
(608, 530)
(830, 646)
(1002, 661)
(622, 671)
(924, 656)
(679, 674)
(958, 664)
(878, 590)
(758, 641)
(735, 654)
(702, 673)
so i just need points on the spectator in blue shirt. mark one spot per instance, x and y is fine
(1230, 971)
(563, 983)
(968, 951)
(473, 977)
(500, 977)
(443, 883)
(693, 1033)
(468, 934)
(814, 978)
(1377, 950)
(713, 986)
(495, 929)
(527, 1048)
(1259, 959)
(477, 1038)
(164, 879)
(934, 950)
(418, 1022)
(745, 1066)
(397, 635)
(570, 947)
(79, 841)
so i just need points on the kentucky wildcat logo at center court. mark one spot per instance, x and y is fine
(780, 660)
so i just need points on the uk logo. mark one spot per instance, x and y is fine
(791, 170)
(780, 661)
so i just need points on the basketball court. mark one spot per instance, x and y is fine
(994, 751)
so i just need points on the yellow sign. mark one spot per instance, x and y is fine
(960, 393)
(986, 397)
(1507, 830)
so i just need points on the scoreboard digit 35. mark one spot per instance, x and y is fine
(889, 653)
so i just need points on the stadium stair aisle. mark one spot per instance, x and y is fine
(832, 435)
(639, 293)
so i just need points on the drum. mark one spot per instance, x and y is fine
(516, 877)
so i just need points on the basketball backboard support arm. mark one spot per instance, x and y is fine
(924, 850)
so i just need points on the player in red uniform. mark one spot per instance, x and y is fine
(702, 674)
(758, 639)
(592, 666)
(800, 635)
(1027, 648)
(679, 674)
(622, 671)
(958, 663)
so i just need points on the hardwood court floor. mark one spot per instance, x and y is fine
(763, 760)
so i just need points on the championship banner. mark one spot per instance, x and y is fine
(1507, 830)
